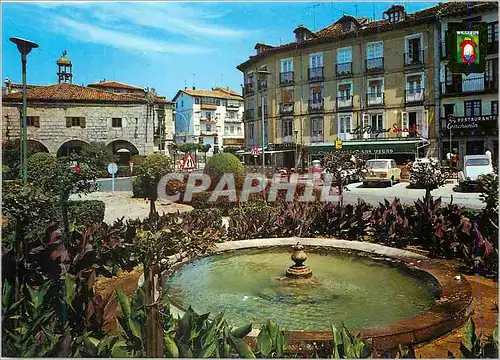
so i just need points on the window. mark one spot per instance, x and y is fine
(472, 108)
(208, 127)
(493, 32)
(377, 124)
(287, 128)
(344, 91)
(75, 121)
(344, 55)
(249, 78)
(375, 50)
(315, 60)
(494, 107)
(394, 16)
(375, 88)
(345, 127)
(231, 129)
(116, 122)
(492, 69)
(286, 65)
(449, 109)
(317, 127)
(414, 84)
(208, 115)
(33, 121)
(182, 103)
(196, 100)
(287, 96)
(217, 102)
(250, 131)
(316, 95)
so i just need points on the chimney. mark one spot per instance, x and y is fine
(7, 85)
(194, 87)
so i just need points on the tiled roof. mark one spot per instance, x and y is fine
(333, 32)
(210, 93)
(71, 93)
(115, 84)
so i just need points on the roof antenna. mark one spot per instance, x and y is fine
(194, 76)
(356, 9)
(373, 11)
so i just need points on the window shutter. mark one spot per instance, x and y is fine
(425, 124)
(333, 129)
(277, 128)
(82, 123)
(366, 124)
(37, 122)
(68, 122)
(404, 123)
(306, 129)
(287, 96)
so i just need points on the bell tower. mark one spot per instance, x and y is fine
(64, 69)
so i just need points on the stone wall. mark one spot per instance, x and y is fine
(137, 125)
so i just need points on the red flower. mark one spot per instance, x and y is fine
(78, 169)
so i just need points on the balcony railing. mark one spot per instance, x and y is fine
(316, 138)
(232, 120)
(316, 105)
(232, 106)
(249, 89)
(288, 139)
(208, 106)
(211, 119)
(315, 74)
(414, 58)
(262, 85)
(249, 114)
(375, 64)
(482, 84)
(286, 108)
(286, 77)
(344, 69)
(375, 99)
(260, 111)
(414, 95)
(344, 102)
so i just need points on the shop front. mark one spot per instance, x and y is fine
(469, 135)
(402, 151)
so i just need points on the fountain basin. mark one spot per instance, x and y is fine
(438, 308)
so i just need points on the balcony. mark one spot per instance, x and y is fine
(477, 85)
(344, 102)
(286, 77)
(208, 106)
(232, 120)
(413, 96)
(208, 132)
(375, 99)
(232, 106)
(286, 108)
(344, 69)
(248, 89)
(316, 105)
(415, 58)
(262, 85)
(249, 114)
(316, 74)
(374, 65)
(260, 111)
(209, 119)
(317, 138)
(288, 139)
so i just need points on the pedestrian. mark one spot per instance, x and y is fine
(488, 153)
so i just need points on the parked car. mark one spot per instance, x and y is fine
(474, 166)
(413, 181)
(381, 171)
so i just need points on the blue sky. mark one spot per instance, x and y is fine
(160, 45)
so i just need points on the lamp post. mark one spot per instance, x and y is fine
(261, 75)
(296, 150)
(24, 47)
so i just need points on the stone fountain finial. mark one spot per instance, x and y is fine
(299, 270)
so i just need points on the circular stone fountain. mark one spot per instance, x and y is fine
(390, 295)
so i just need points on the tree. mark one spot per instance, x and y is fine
(204, 148)
(429, 175)
(344, 167)
(149, 175)
(97, 156)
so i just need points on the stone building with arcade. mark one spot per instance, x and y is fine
(63, 117)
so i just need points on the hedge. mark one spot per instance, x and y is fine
(86, 212)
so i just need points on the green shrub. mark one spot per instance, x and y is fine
(223, 163)
(86, 212)
(41, 168)
(154, 167)
(97, 155)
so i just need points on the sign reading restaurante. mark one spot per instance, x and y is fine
(468, 122)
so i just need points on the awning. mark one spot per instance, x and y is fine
(376, 147)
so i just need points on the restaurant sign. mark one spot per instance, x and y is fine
(360, 130)
(468, 122)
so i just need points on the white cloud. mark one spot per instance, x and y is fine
(118, 39)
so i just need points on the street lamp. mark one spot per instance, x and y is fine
(296, 149)
(24, 47)
(261, 75)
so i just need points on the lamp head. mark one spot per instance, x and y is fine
(24, 46)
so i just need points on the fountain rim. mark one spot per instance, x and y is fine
(451, 310)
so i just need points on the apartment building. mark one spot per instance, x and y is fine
(472, 100)
(212, 117)
(372, 85)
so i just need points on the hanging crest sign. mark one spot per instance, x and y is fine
(467, 47)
